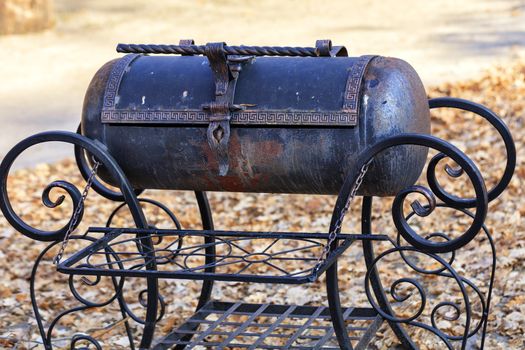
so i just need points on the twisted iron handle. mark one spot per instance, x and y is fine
(228, 50)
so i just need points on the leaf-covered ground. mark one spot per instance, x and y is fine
(502, 89)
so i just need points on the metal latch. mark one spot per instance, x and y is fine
(225, 74)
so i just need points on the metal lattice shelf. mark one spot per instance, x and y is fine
(277, 257)
(221, 325)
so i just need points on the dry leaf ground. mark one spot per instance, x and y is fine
(502, 89)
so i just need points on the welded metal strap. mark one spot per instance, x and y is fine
(353, 85)
(225, 75)
(245, 117)
(113, 84)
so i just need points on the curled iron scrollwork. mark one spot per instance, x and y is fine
(427, 244)
(484, 299)
(439, 248)
(81, 142)
(156, 241)
(77, 338)
(412, 319)
(448, 245)
(150, 298)
(85, 304)
(506, 137)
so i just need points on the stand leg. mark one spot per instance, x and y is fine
(207, 285)
(207, 224)
(336, 312)
(368, 251)
(151, 313)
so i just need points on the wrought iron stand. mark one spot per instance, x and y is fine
(210, 255)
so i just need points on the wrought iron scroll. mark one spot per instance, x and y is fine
(503, 131)
(460, 314)
(96, 151)
(46, 334)
(150, 297)
(427, 245)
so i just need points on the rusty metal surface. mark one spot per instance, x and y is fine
(383, 109)
(270, 158)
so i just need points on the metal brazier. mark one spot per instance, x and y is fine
(224, 122)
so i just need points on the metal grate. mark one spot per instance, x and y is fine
(276, 257)
(221, 325)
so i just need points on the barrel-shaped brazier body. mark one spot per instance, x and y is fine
(298, 126)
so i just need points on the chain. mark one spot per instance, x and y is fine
(333, 234)
(77, 212)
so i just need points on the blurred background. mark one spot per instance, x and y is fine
(52, 48)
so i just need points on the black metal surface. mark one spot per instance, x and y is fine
(207, 224)
(237, 256)
(221, 325)
(148, 112)
(295, 98)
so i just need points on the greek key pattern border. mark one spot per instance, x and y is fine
(346, 117)
(113, 84)
(261, 117)
(353, 84)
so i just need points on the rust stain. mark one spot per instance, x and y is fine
(231, 183)
(240, 177)
(271, 148)
(268, 151)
